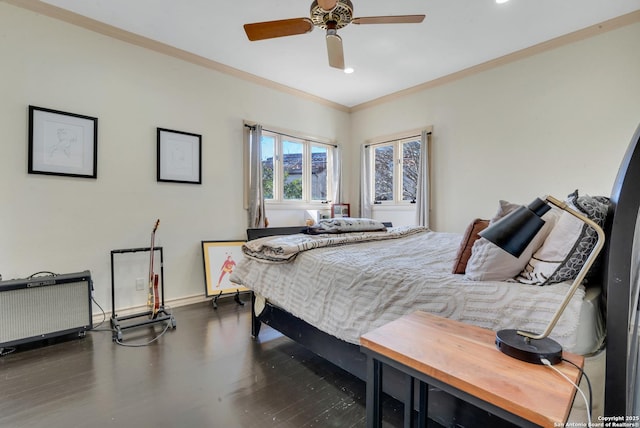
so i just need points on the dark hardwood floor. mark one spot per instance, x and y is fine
(208, 372)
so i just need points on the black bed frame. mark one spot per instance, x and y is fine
(621, 286)
(620, 298)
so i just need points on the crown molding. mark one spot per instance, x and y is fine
(73, 18)
(55, 12)
(585, 33)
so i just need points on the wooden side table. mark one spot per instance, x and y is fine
(463, 361)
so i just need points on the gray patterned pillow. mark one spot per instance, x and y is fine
(347, 224)
(567, 247)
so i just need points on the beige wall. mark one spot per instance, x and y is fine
(571, 111)
(547, 124)
(68, 224)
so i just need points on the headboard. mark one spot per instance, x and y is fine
(621, 286)
(256, 233)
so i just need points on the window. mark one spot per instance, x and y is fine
(395, 171)
(294, 169)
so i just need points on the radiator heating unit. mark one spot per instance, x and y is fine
(42, 307)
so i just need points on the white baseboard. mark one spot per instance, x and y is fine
(169, 303)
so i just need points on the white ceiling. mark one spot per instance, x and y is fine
(456, 34)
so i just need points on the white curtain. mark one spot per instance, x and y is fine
(256, 197)
(366, 210)
(422, 191)
(336, 179)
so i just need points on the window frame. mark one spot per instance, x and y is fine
(307, 169)
(397, 144)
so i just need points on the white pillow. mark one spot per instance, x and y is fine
(504, 208)
(488, 262)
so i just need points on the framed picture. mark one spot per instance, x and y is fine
(179, 157)
(340, 210)
(220, 258)
(62, 143)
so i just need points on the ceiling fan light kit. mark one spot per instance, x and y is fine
(330, 15)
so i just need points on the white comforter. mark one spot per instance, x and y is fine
(348, 290)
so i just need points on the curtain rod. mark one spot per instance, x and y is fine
(291, 136)
(395, 139)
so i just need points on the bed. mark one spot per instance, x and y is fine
(603, 314)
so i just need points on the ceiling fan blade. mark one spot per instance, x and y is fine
(327, 4)
(281, 28)
(400, 19)
(334, 50)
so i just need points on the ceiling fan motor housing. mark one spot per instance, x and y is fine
(341, 14)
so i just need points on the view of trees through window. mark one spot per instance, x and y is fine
(292, 165)
(267, 144)
(395, 171)
(319, 177)
(410, 164)
(384, 172)
(294, 170)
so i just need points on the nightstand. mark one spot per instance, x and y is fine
(463, 361)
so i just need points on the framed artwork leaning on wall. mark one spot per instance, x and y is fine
(220, 258)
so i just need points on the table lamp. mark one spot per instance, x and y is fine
(512, 234)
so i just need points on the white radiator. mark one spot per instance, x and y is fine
(44, 306)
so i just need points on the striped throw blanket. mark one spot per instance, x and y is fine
(284, 248)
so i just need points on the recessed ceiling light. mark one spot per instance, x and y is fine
(501, 1)
(348, 70)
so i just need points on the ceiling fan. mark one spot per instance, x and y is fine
(330, 15)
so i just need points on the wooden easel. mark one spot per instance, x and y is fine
(236, 297)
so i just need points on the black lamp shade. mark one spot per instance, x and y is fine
(515, 231)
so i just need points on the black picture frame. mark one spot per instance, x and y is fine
(179, 156)
(62, 143)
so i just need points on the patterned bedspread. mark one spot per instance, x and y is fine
(347, 290)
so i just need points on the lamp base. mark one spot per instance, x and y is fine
(526, 349)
